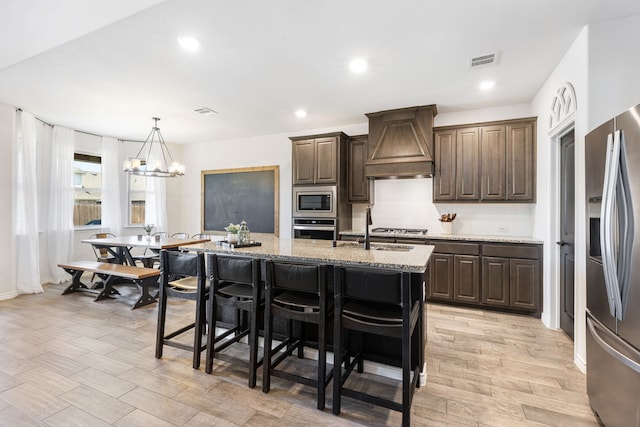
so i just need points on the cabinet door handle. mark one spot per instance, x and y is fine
(561, 243)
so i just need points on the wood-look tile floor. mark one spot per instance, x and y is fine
(69, 361)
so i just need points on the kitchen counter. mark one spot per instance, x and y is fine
(453, 237)
(410, 258)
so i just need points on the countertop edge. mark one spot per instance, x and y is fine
(455, 237)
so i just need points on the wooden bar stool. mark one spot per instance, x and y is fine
(375, 302)
(191, 285)
(296, 292)
(235, 282)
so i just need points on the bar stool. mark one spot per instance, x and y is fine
(375, 302)
(297, 292)
(191, 285)
(235, 282)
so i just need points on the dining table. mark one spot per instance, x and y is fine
(120, 247)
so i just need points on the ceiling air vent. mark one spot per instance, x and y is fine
(484, 60)
(205, 111)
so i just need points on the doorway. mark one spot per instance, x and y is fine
(567, 232)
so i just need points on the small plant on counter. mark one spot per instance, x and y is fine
(232, 228)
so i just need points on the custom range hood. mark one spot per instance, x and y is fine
(400, 143)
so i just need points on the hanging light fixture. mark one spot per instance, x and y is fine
(158, 161)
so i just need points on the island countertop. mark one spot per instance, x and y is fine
(410, 258)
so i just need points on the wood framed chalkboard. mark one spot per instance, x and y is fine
(233, 195)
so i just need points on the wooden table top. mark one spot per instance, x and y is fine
(144, 242)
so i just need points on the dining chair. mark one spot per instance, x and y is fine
(376, 302)
(180, 235)
(201, 236)
(150, 257)
(192, 285)
(235, 283)
(296, 292)
(101, 253)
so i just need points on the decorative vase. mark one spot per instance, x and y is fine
(232, 237)
(243, 234)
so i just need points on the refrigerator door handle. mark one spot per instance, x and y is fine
(612, 351)
(625, 230)
(606, 213)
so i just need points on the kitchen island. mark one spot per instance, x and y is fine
(409, 258)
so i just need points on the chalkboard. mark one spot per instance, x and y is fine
(233, 195)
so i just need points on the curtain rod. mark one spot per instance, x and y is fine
(82, 131)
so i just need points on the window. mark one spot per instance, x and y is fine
(87, 181)
(137, 186)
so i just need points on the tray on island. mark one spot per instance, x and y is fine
(237, 245)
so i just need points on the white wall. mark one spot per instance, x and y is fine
(573, 68)
(268, 150)
(7, 260)
(614, 68)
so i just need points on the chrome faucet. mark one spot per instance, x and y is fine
(367, 237)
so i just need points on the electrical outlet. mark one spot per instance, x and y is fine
(503, 229)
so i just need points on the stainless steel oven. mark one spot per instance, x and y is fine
(315, 228)
(317, 201)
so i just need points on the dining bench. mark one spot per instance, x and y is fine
(142, 277)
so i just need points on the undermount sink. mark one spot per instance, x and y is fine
(374, 246)
(392, 248)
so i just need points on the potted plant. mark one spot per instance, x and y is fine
(232, 232)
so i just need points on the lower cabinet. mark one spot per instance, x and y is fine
(500, 275)
(454, 272)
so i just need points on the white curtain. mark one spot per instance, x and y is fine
(25, 212)
(112, 187)
(156, 204)
(59, 222)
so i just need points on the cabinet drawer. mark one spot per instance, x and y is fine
(512, 251)
(445, 247)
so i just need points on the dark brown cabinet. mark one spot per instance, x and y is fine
(316, 159)
(489, 162)
(487, 274)
(441, 277)
(466, 278)
(358, 185)
(511, 275)
(454, 272)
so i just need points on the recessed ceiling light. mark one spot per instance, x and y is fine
(487, 85)
(301, 113)
(358, 65)
(189, 43)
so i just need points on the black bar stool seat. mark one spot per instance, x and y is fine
(296, 292)
(235, 283)
(376, 302)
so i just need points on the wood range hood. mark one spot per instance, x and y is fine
(400, 143)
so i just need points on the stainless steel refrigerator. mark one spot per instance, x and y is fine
(612, 161)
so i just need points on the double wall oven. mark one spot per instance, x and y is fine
(315, 212)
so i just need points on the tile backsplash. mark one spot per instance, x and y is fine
(408, 203)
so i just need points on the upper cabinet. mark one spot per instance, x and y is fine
(400, 142)
(358, 185)
(488, 162)
(318, 159)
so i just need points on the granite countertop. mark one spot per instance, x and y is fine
(411, 258)
(458, 237)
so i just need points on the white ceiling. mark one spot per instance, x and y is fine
(107, 67)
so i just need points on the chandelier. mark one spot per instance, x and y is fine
(157, 161)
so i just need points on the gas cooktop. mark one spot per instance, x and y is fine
(412, 231)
